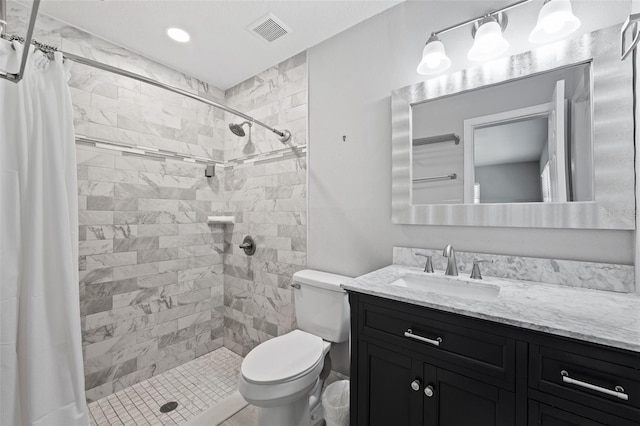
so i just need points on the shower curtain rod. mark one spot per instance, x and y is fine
(283, 135)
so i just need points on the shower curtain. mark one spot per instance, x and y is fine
(41, 372)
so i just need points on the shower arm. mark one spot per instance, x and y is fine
(283, 135)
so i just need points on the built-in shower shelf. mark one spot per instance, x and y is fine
(217, 220)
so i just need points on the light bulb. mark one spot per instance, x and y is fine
(432, 61)
(553, 24)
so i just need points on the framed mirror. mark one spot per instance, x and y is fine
(539, 139)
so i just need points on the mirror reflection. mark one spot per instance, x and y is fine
(522, 141)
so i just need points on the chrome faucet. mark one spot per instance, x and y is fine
(450, 254)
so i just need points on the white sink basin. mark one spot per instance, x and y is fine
(439, 284)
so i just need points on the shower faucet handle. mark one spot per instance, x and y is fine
(248, 245)
(428, 266)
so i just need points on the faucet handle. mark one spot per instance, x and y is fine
(475, 271)
(428, 266)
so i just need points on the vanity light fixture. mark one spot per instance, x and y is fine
(178, 34)
(488, 41)
(555, 21)
(434, 58)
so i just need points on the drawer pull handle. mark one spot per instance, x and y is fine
(436, 342)
(618, 393)
(415, 385)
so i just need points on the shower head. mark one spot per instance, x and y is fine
(237, 129)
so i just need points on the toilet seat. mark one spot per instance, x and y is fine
(284, 358)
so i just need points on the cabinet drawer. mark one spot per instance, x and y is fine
(458, 343)
(541, 414)
(596, 383)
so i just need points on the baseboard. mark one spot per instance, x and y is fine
(220, 412)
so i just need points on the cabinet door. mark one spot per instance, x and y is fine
(457, 400)
(385, 395)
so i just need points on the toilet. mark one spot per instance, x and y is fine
(284, 375)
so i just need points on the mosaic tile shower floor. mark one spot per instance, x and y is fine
(196, 386)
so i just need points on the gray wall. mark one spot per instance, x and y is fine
(351, 77)
(510, 183)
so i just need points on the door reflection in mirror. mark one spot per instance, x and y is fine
(523, 141)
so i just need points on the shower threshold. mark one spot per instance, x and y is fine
(195, 386)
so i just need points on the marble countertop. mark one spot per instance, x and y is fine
(603, 317)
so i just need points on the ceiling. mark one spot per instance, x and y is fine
(221, 51)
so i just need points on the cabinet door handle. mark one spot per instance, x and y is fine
(415, 385)
(428, 391)
(618, 392)
(409, 334)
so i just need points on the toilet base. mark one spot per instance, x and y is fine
(292, 414)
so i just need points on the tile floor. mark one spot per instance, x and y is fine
(196, 386)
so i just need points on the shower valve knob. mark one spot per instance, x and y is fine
(248, 245)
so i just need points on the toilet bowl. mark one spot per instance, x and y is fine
(276, 371)
(282, 376)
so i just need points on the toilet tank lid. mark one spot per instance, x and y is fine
(320, 279)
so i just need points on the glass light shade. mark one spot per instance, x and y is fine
(555, 21)
(488, 43)
(434, 59)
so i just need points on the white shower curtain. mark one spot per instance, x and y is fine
(41, 375)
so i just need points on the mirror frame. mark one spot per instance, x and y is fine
(613, 206)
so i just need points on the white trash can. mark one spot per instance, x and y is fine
(335, 401)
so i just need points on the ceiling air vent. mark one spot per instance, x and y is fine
(269, 28)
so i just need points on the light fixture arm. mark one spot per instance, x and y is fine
(432, 37)
(499, 17)
(474, 20)
(555, 21)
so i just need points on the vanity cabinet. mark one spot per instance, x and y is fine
(401, 389)
(413, 365)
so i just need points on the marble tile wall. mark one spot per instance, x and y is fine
(151, 273)
(597, 276)
(276, 96)
(268, 199)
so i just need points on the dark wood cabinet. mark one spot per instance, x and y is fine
(412, 365)
(385, 377)
(398, 388)
(457, 400)
(542, 414)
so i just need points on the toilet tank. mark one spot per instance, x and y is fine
(322, 307)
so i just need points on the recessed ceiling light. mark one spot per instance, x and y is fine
(178, 35)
